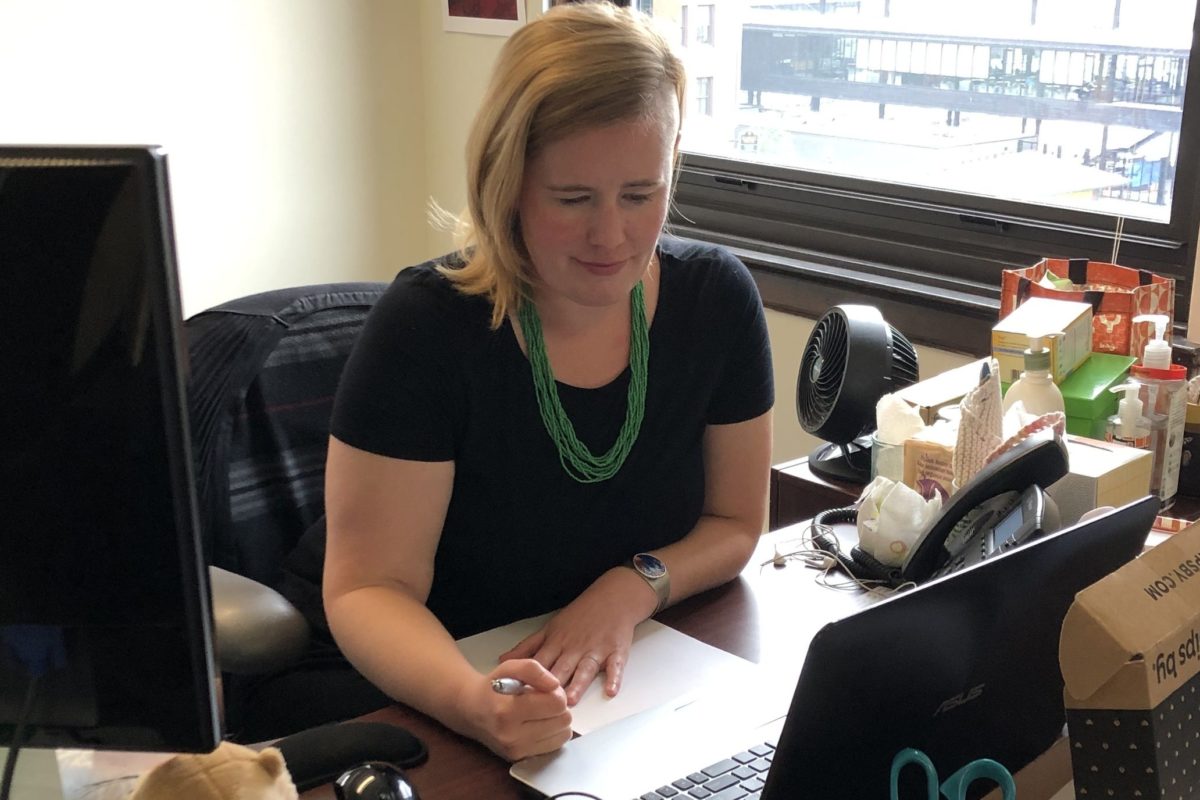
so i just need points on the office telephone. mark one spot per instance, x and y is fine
(1003, 506)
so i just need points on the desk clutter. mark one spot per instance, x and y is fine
(1083, 356)
(1085, 339)
(1134, 392)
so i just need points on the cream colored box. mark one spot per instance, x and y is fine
(943, 389)
(929, 468)
(1070, 341)
(1101, 474)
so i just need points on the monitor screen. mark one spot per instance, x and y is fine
(105, 620)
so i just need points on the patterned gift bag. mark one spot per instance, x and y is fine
(1117, 294)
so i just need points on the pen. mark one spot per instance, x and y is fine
(509, 686)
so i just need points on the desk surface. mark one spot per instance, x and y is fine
(764, 616)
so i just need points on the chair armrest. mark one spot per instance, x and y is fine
(256, 629)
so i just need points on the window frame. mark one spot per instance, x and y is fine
(706, 24)
(703, 86)
(815, 239)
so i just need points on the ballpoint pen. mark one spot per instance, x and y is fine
(509, 686)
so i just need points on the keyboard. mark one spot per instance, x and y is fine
(739, 777)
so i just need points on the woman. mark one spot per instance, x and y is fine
(517, 424)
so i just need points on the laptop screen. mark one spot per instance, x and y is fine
(964, 667)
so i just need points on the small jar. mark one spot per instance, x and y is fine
(887, 459)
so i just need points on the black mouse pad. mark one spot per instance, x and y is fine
(319, 755)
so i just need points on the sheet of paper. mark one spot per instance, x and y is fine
(664, 664)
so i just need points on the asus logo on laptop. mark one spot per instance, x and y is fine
(960, 699)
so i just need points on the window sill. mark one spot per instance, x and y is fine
(935, 316)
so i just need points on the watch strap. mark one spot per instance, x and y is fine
(660, 583)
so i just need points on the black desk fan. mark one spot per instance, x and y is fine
(853, 358)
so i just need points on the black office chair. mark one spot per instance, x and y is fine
(263, 373)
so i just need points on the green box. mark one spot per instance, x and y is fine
(1085, 393)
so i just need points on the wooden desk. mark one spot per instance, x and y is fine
(761, 616)
(797, 494)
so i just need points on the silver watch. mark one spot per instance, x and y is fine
(653, 572)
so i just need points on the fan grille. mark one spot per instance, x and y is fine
(852, 358)
(822, 371)
(904, 361)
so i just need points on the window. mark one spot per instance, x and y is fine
(704, 23)
(918, 147)
(704, 104)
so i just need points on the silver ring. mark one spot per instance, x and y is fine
(593, 659)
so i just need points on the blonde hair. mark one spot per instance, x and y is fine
(577, 67)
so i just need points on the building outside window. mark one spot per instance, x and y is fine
(704, 23)
(704, 103)
(1001, 130)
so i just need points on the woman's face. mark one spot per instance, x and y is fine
(592, 206)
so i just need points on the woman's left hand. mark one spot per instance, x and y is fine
(591, 634)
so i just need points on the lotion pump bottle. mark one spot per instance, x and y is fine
(1164, 399)
(1128, 426)
(1035, 388)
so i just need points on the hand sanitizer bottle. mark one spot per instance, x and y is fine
(1035, 388)
(1164, 400)
(1128, 426)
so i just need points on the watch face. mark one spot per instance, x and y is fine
(649, 566)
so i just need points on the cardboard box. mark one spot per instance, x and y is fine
(1101, 474)
(1130, 657)
(943, 389)
(1068, 323)
(929, 468)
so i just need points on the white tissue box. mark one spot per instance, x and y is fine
(1101, 474)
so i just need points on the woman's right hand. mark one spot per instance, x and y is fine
(517, 726)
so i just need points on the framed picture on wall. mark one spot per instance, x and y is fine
(495, 17)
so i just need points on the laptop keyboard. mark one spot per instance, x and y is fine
(739, 777)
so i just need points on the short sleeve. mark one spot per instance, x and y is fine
(746, 385)
(397, 393)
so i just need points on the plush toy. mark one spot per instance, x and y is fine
(231, 772)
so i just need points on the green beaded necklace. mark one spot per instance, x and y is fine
(573, 454)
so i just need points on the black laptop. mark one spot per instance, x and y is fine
(963, 667)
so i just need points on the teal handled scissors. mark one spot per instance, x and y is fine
(955, 786)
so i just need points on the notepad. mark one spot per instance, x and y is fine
(663, 665)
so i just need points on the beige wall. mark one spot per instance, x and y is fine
(305, 136)
(293, 151)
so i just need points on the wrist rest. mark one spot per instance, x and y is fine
(319, 755)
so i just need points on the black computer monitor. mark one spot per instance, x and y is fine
(105, 615)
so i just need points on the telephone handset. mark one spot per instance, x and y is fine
(1003, 506)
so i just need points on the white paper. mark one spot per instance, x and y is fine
(663, 664)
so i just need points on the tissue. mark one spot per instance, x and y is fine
(896, 422)
(890, 519)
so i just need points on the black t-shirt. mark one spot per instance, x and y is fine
(430, 381)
